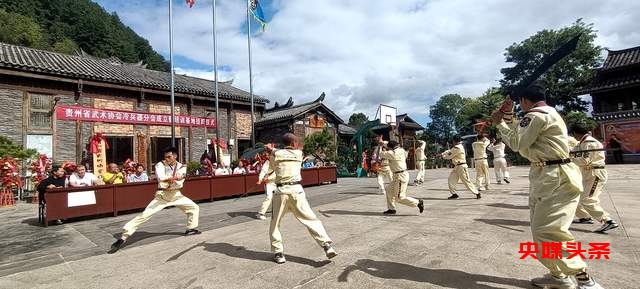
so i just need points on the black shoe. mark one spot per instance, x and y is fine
(507, 181)
(478, 196)
(421, 206)
(116, 246)
(192, 232)
(608, 225)
(454, 196)
(583, 221)
(389, 212)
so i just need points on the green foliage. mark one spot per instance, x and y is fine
(578, 116)
(193, 167)
(443, 115)
(566, 76)
(322, 144)
(20, 30)
(8, 148)
(66, 25)
(346, 158)
(358, 119)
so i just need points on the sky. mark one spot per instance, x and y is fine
(362, 53)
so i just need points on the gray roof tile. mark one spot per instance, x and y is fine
(112, 71)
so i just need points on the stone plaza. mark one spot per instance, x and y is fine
(464, 243)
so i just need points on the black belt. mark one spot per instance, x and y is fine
(461, 164)
(597, 167)
(557, 162)
(480, 159)
(288, 183)
(402, 171)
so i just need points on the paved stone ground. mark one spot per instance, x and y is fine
(464, 243)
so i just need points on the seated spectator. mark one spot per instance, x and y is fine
(113, 175)
(240, 170)
(139, 176)
(307, 164)
(220, 170)
(55, 180)
(81, 178)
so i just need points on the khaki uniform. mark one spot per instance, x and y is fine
(460, 172)
(269, 186)
(481, 163)
(554, 190)
(499, 162)
(384, 173)
(168, 194)
(290, 197)
(420, 160)
(594, 178)
(398, 164)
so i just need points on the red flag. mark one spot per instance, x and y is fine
(191, 3)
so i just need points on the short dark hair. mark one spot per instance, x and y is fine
(289, 139)
(456, 138)
(579, 127)
(139, 165)
(392, 144)
(170, 149)
(55, 167)
(534, 92)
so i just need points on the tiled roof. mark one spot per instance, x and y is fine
(107, 70)
(346, 129)
(604, 83)
(288, 112)
(621, 58)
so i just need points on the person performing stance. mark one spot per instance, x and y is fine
(381, 166)
(499, 161)
(460, 172)
(170, 174)
(290, 197)
(555, 182)
(266, 176)
(398, 193)
(594, 178)
(420, 159)
(480, 161)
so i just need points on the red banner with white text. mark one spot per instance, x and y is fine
(129, 117)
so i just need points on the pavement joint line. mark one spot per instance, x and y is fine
(66, 263)
(626, 233)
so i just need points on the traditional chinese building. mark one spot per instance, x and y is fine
(303, 120)
(57, 102)
(615, 93)
(404, 132)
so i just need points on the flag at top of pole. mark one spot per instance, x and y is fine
(191, 3)
(256, 11)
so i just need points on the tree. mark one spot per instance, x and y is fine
(358, 119)
(8, 148)
(443, 115)
(566, 76)
(20, 30)
(321, 144)
(578, 116)
(66, 45)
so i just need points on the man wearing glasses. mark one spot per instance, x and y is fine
(170, 174)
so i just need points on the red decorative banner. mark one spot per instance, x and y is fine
(129, 117)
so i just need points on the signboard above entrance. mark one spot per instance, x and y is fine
(129, 117)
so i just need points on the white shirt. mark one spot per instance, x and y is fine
(498, 150)
(88, 179)
(221, 172)
(239, 171)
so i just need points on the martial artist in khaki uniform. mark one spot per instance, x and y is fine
(499, 161)
(594, 178)
(460, 170)
(555, 182)
(384, 172)
(398, 193)
(170, 175)
(420, 162)
(268, 177)
(480, 161)
(290, 197)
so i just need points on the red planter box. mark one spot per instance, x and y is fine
(310, 177)
(250, 184)
(197, 188)
(131, 196)
(227, 186)
(327, 175)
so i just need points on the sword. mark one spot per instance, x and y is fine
(582, 152)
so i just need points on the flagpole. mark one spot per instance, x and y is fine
(215, 70)
(253, 136)
(173, 103)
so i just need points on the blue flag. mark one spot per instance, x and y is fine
(256, 11)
